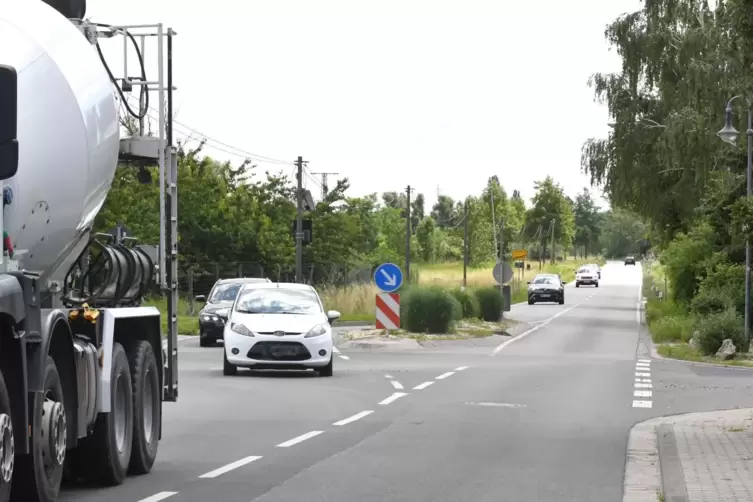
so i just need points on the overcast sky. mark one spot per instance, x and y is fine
(435, 94)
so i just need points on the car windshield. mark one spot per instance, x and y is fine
(225, 292)
(584, 270)
(278, 301)
(545, 280)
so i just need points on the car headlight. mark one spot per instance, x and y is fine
(316, 331)
(222, 312)
(240, 329)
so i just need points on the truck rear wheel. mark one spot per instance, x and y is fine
(7, 450)
(38, 475)
(147, 403)
(106, 453)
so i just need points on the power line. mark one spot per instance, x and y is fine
(325, 187)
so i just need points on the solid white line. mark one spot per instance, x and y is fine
(642, 404)
(642, 393)
(643, 386)
(639, 374)
(355, 417)
(159, 496)
(299, 439)
(228, 467)
(504, 344)
(396, 384)
(393, 397)
(461, 368)
(422, 386)
(445, 375)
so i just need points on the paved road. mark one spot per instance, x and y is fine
(543, 417)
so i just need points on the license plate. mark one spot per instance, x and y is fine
(284, 351)
(545, 296)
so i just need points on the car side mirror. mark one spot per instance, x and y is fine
(200, 298)
(8, 122)
(528, 282)
(333, 315)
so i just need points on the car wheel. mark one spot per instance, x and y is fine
(562, 300)
(597, 284)
(327, 371)
(577, 284)
(204, 341)
(228, 369)
(530, 302)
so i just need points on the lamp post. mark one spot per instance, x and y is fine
(729, 134)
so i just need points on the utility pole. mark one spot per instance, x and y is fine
(325, 188)
(494, 224)
(465, 245)
(407, 233)
(500, 260)
(299, 224)
(554, 228)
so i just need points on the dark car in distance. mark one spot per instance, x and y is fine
(630, 260)
(213, 316)
(546, 288)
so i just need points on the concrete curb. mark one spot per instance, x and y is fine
(652, 465)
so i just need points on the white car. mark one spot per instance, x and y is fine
(278, 326)
(586, 275)
(595, 267)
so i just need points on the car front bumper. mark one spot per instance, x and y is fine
(587, 280)
(545, 296)
(278, 352)
(211, 328)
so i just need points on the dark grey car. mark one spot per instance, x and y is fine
(546, 288)
(213, 316)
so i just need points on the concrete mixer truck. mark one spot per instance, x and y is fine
(82, 362)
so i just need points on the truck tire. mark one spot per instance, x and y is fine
(147, 403)
(105, 455)
(7, 451)
(38, 475)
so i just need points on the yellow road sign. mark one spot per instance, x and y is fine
(519, 254)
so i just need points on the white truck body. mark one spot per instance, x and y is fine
(68, 132)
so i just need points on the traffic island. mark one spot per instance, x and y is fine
(466, 333)
(692, 457)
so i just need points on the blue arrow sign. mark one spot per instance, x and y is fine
(388, 277)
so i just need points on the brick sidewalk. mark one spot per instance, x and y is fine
(696, 457)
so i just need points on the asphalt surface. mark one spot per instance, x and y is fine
(541, 417)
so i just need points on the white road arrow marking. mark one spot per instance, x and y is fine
(391, 279)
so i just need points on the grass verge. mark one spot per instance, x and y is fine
(463, 330)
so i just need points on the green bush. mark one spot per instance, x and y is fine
(469, 304)
(728, 278)
(714, 329)
(490, 303)
(429, 310)
(657, 309)
(674, 328)
(711, 301)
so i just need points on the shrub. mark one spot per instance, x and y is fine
(429, 310)
(657, 309)
(490, 303)
(711, 301)
(714, 329)
(728, 278)
(672, 329)
(469, 304)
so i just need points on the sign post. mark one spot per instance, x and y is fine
(388, 277)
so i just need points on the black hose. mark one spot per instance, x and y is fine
(144, 91)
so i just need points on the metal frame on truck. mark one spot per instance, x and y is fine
(83, 366)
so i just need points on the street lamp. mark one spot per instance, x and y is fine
(729, 134)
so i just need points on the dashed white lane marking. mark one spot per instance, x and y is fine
(335, 350)
(422, 386)
(229, 467)
(340, 354)
(445, 375)
(642, 393)
(642, 365)
(642, 404)
(461, 368)
(299, 439)
(388, 376)
(393, 397)
(643, 374)
(643, 386)
(504, 344)
(644, 361)
(159, 496)
(501, 405)
(396, 384)
(353, 418)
